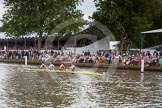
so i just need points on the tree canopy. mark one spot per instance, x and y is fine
(127, 18)
(37, 16)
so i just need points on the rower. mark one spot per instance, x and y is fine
(43, 66)
(72, 67)
(51, 67)
(62, 66)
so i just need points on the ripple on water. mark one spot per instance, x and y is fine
(38, 89)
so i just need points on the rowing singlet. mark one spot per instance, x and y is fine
(62, 66)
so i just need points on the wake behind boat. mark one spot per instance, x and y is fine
(63, 71)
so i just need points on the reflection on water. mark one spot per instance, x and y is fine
(117, 89)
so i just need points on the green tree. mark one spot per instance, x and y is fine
(37, 16)
(127, 18)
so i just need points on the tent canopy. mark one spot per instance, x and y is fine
(152, 31)
(149, 32)
(4, 36)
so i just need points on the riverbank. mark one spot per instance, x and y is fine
(89, 65)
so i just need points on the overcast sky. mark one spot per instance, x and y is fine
(87, 8)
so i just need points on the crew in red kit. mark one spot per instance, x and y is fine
(62, 66)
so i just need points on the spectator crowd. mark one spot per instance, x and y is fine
(108, 57)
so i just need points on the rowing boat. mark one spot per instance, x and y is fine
(63, 71)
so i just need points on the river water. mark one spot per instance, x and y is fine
(118, 88)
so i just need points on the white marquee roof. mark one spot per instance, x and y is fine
(152, 31)
(4, 36)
